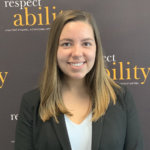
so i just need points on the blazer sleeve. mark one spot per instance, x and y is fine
(133, 140)
(24, 127)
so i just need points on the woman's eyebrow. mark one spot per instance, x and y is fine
(87, 39)
(70, 40)
(66, 39)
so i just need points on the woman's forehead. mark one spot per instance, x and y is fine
(77, 29)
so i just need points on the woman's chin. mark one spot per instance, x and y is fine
(77, 77)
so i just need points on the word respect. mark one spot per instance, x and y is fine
(22, 3)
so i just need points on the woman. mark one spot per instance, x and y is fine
(77, 106)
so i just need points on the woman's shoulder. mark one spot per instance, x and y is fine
(124, 96)
(29, 107)
(31, 98)
(32, 93)
(122, 91)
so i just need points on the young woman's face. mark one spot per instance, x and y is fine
(76, 50)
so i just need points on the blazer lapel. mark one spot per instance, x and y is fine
(61, 132)
(96, 133)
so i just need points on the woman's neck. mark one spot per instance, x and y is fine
(76, 99)
(76, 86)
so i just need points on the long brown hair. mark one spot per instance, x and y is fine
(100, 85)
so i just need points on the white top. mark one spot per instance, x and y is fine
(80, 135)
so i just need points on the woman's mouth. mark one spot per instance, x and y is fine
(76, 65)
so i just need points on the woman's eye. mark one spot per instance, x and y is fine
(87, 44)
(66, 44)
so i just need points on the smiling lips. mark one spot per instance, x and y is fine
(76, 64)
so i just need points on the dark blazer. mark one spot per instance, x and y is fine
(118, 129)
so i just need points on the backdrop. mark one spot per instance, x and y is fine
(24, 27)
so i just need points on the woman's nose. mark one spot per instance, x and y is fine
(77, 51)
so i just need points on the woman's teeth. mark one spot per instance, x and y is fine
(77, 64)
